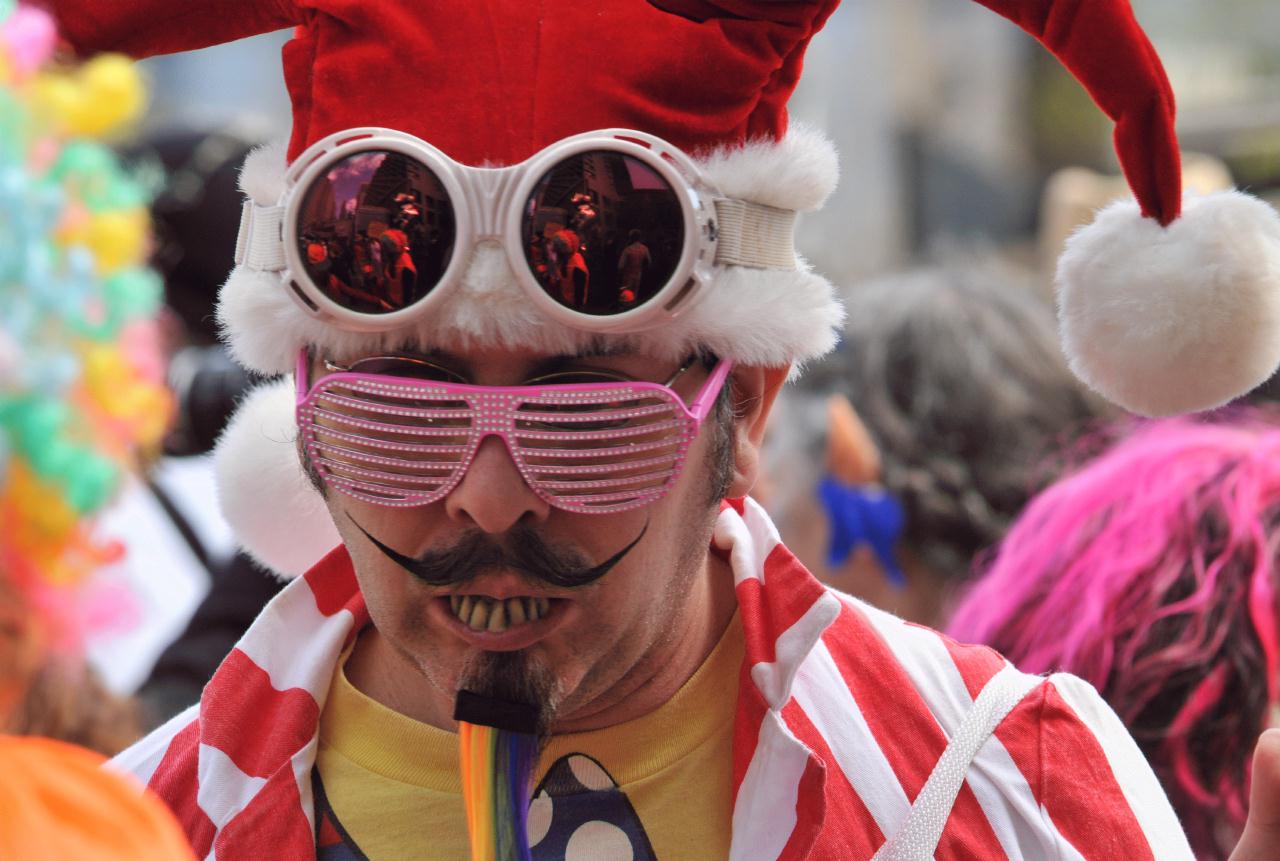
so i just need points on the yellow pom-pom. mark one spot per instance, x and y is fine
(57, 99)
(155, 416)
(105, 94)
(117, 238)
(113, 95)
(100, 363)
(139, 409)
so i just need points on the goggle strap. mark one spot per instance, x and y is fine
(260, 244)
(755, 235)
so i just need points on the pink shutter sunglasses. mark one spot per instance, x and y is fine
(584, 447)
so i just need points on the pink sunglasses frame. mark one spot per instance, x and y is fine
(493, 412)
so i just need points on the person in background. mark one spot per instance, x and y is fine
(51, 693)
(1262, 828)
(1151, 572)
(633, 263)
(195, 228)
(912, 447)
(57, 803)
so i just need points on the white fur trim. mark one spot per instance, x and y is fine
(262, 176)
(1178, 319)
(754, 316)
(798, 172)
(277, 515)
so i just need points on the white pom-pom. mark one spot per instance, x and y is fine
(1167, 320)
(262, 176)
(277, 515)
(259, 322)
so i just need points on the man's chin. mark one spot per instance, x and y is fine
(515, 677)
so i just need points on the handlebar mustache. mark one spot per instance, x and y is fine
(524, 550)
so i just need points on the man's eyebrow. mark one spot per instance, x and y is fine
(437, 355)
(599, 348)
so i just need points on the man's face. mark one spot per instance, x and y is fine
(597, 643)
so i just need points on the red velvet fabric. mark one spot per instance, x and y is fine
(1102, 45)
(493, 81)
(146, 28)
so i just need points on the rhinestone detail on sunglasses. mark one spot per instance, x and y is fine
(591, 448)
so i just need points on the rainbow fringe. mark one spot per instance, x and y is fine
(497, 770)
(499, 747)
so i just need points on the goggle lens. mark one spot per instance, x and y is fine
(376, 231)
(603, 232)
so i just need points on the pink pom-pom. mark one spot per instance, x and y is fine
(29, 36)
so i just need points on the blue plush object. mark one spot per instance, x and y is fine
(863, 514)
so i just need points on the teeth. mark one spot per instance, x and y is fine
(479, 618)
(487, 614)
(498, 617)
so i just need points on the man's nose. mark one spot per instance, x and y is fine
(493, 496)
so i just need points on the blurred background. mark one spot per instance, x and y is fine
(949, 120)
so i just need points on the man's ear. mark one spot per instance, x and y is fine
(754, 391)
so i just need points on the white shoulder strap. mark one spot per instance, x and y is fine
(919, 834)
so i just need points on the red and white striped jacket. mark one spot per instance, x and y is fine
(843, 711)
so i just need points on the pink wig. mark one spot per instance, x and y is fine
(1150, 572)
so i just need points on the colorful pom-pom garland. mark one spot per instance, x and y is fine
(81, 381)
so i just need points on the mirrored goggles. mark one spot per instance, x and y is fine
(400, 431)
(607, 231)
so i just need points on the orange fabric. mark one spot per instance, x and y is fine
(57, 802)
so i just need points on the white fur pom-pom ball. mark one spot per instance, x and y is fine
(277, 515)
(1168, 320)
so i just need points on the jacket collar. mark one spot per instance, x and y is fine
(779, 782)
(784, 609)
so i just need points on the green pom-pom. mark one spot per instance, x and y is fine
(91, 484)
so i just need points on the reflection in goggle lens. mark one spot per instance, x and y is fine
(603, 232)
(376, 231)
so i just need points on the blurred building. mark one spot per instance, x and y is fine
(1223, 57)
(925, 103)
(238, 86)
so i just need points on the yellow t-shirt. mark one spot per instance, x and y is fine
(657, 787)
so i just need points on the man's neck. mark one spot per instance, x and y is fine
(381, 672)
(654, 679)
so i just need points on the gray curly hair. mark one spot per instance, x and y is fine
(957, 374)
